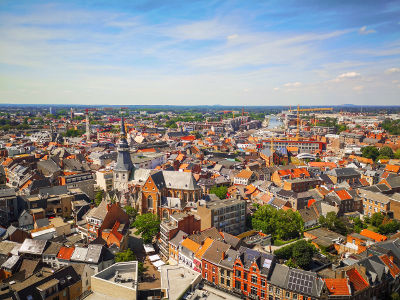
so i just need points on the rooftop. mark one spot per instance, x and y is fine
(123, 274)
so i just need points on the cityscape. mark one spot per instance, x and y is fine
(199, 150)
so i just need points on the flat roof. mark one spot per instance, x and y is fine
(175, 280)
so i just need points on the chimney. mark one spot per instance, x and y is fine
(223, 255)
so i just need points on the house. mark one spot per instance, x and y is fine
(339, 175)
(244, 177)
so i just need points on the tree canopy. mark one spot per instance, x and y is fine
(124, 256)
(281, 224)
(298, 254)
(220, 191)
(98, 197)
(334, 223)
(148, 225)
(370, 152)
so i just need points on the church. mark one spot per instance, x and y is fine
(152, 191)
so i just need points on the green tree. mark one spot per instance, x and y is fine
(281, 224)
(220, 191)
(131, 211)
(389, 227)
(334, 223)
(377, 219)
(397, 154)
(302, 254)
(395, 296)
(359, 225)
(99, 197)
(386, 152)
(148, 225)
(299, 254)
(124, 256)
(370, 152)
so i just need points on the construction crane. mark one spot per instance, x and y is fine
(307, 109)
(228, 111)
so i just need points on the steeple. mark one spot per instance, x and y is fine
(124, 162)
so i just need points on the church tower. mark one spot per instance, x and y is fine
(124, 167)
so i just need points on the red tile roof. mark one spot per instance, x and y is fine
(65, 252)
(394, 269)
(338, 286)
(356, 280)
(373, 235)
(343, 195)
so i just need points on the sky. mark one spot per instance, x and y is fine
(314, 52)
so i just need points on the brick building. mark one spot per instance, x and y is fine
(186, 223)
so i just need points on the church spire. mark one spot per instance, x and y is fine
(124, 162)
(122, 133)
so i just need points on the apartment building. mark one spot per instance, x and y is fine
(374, 202)
(227, 215)
(186, 223)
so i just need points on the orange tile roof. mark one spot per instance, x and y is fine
(392, 168)
(244, 174)
(250, 189)
(191, 245)
(394, 269)
(147, 150)
(322, 164)
(373, 235)
(338, 286)
(207, 244)
(343, 195)
(357, 280)
(65, 252)
(310, 202)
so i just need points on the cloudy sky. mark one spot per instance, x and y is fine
(200, 52)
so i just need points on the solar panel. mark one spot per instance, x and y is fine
(300, 282)
(267, 263)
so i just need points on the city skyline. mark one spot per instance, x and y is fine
(197, 53)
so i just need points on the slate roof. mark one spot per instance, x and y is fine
(264, 261)
(98, 212)
(177, 238)
(343, 172)
(215, 252)
(30, 246)
(394, 182)
(179, 180)
(53, 249)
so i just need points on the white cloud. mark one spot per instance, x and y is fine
(364, 31)
(358, 88)
(392, 70)
(232, 36)
(292, 84)
(349, 75)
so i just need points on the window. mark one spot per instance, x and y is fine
(277, 291)
(205, 275)
(238, 273)
(262, 294)
(253, 278)
(205, 266)
(287, 294)
(228, 282)
(271, 289)
(245, 287)
(213, 270)
(294, 296)
(263, 282)
(253, 290)
(222, 280)
(238, 285)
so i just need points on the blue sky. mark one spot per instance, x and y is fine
(200, 52)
